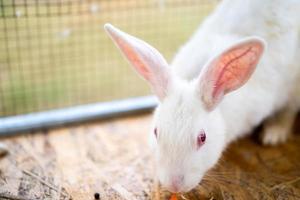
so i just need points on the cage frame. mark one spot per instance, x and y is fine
(58, 117)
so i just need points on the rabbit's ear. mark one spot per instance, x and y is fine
(229, 71)
(146, 60)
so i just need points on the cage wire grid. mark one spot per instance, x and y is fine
(55, 54)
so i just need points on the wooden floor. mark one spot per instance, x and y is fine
(113, 159)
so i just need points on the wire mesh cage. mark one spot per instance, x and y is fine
(54, 53)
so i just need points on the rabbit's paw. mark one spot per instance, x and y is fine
(277, 129)
(274, 135)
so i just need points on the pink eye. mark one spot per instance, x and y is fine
(201, 139)
(155, 132)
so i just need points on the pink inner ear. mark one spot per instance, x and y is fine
(133, 58)
(234, 68)
(146, 60)
(161, 81)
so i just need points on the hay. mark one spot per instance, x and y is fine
(113, 159)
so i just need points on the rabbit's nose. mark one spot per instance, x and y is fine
(176, 183)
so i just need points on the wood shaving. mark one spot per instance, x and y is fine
(79, 161)
(123, 192)
(3, 150)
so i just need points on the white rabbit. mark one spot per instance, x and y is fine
(194, 122)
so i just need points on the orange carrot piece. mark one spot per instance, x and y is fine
(173, 197)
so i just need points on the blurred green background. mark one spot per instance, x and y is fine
(54, 53)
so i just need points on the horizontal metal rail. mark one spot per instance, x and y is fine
(42, 120)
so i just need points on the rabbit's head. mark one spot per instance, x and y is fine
(188, 134)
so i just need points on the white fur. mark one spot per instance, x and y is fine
(276, 77)
(275, 84)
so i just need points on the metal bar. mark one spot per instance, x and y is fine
(47, 119)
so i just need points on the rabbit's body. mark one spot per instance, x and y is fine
(197, 116)
(276, 81)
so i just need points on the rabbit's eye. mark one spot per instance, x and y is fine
(155, 132)
(201, 139)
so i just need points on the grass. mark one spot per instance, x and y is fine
(58, 55)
